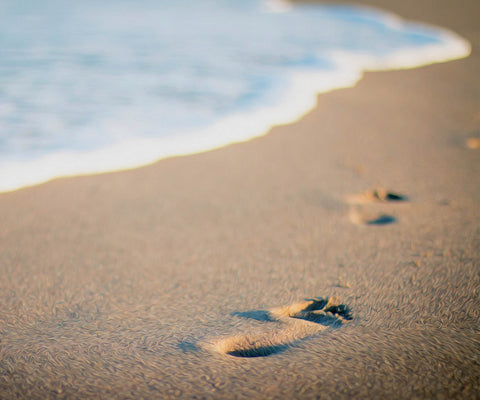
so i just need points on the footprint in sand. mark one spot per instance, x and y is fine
(289, 324)
(361, 215)
(473, 143)
(377, 195)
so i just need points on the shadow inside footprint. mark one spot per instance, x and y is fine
(389, 196)
(261, 351)
(383, 219)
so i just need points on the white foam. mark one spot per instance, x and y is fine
(278, 6)
(297, 99)
(454, 47)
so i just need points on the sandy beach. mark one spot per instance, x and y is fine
(336, 257)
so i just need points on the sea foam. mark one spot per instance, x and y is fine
(123, 84)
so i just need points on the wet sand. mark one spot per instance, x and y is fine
(188, 278)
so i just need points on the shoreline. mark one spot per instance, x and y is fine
(188, 278)
(304, 87)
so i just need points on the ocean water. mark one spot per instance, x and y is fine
(93, 86)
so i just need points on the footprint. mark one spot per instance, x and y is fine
(360, 217)
(473, 143)
(290, 324)
(369, 216)
(376, 195)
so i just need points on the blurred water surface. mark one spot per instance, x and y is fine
(79, 76)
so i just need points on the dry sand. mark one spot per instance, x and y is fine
(126, 285)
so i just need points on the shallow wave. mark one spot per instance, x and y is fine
(120, 85)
